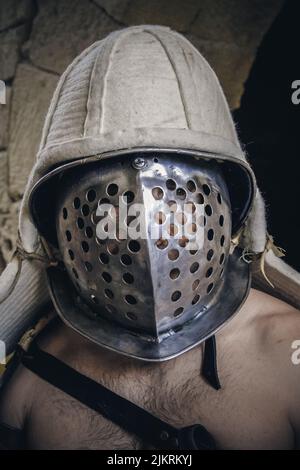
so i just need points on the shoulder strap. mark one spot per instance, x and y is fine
(209, 365)
(11, 438)
(117, 409)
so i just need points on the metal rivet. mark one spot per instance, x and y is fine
(139, 163)
(164, 435)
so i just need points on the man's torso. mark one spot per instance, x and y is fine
(248, 412)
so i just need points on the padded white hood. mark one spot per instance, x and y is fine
(141, 87)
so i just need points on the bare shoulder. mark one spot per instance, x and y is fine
(276, 327)
(18, 394)
(273, 320)
(16, 398)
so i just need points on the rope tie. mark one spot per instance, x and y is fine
(277, 250)
(21, 254)
(249, 256)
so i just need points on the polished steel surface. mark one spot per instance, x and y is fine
(153, 284)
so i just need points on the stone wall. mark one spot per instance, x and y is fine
(38, 39)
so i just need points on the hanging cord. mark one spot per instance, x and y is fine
(249, 256)
(21, 254)
(277, 250)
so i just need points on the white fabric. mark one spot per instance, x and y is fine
(143, 86)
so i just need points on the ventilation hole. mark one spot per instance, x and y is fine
(88, 266)
(222, 240)
(85, 246)
(190, 207)
(100, 242)
(106, 276)
(193, 252)
(91, 195)
(172, 230)
(194, 267)
(157, 193)
(112, 189)
(104, 200)
(126, 260)
(206, 189)
(192, 228)
(210, 254)
(181, 218)
(208, 210)
(112, 247)
(219, 198)
(210, 287)
(200, 198)
(75, 273)
(80, 223)
(108, 293)
(94, 218)
(134, 246)
(201, 221)
(128, 197)
(174, 273)
(210, 234)
(173, 254)
(180, 193)
(182, 242)
(76, 203)
(209, 272)
(111, 309)
(128, 278)
(65, 213)
(130, 299)
(85, 210)
(195, 284)
(155, 160)
(196, 299)
(94, 299)
(191, 186)
(178, 311)
(89, 232)
(221, 220)
(171, 185)
(104, 258)
(132, 316)
(173, 206)
(68, 235)
(159, 217)
(71, 254)
(222, 257)
(161, 243)
(176, 295)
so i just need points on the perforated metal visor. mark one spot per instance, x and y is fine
(232, 293)
(238, 175)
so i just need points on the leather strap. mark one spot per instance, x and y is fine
(117, 409)
(209, 366)
(11, 438)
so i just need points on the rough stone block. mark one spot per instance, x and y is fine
(177, 14)
(62, 29)
(14, 12)
(10, 44)
(4, 117)
(33, 90)
(4, 199)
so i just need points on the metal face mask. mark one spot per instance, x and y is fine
(145, 242)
